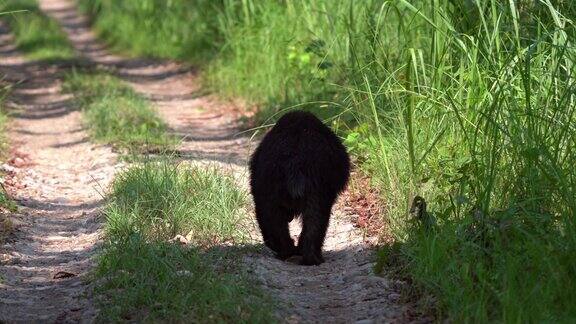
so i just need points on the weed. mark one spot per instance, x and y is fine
(190, 42)
(143, 281)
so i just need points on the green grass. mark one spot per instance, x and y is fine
(116, 114)
(147, 282)
(470, 104)
(4, 142)
(6, 203)
(142, 277)
(36, 35)
(195, 42)
(160, 201)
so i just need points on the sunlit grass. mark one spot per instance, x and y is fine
(116, 114)
(161, 200)
(36, 35)
(194, 42)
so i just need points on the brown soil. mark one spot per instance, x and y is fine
(59, 230)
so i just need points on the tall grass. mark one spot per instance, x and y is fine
(469, 104)
(36, 35)
(485, 107)
(160, 281)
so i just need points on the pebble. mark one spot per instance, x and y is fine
(394, 297)
(365, 321)
(18, 162)
(7, 168)
(179, 239)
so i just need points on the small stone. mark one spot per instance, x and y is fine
(18, 162)
(183, 273)
(179, 239)
(394, 297)
(365, 321)
(7, 168)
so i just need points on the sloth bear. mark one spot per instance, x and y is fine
(298, 169)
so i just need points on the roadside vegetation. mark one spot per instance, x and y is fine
(4, 143)
(116, 114)
(36, 35)
(6, 203)
(143, 276)
(469, 104)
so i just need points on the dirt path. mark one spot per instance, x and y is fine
(58, 175)
(342, 290)
(207, 126)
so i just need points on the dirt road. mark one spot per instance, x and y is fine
(59, 174)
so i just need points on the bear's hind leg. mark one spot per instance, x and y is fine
(315, 221)
(273, 223)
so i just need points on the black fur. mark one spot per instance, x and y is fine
(299, 168)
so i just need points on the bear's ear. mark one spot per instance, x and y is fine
(296, 184)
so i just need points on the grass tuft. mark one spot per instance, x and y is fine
(150, 282)
(36, 35)
(159, 281)
(195, 42)
(116, 114)
(160, 200)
